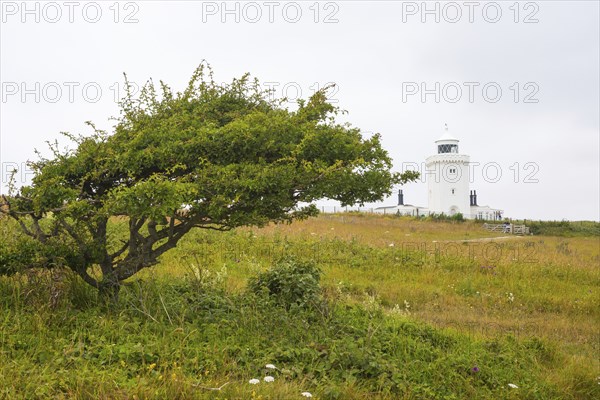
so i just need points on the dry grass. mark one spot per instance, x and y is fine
(540, 286)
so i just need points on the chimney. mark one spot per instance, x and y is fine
(400, 198)
(474, 197)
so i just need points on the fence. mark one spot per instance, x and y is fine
(414, 212)
(338, 209)
(507, 228)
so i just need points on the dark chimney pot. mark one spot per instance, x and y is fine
(400, 198)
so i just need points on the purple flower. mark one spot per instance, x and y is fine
(475, 369)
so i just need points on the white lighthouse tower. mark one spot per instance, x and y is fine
(447, 175)
(448, 178)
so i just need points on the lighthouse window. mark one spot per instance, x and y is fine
(447, 148)
(452, 191)
(452, 170)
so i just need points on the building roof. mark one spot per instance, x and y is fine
(398, 206)
(447, 137)
(484, 208)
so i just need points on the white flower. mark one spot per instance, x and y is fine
(512, 385)
(254, 381)
(391, 245)
(268, 379)
(270, 366)
(306, 394)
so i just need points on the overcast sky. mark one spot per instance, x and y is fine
(518, 85)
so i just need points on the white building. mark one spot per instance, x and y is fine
(447, 175)
(402, 209)
(448, 178)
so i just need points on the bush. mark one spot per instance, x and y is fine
(22, 253)
(458, 217)
(290, 282)
(563, 228)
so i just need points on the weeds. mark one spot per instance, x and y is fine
(362, 321)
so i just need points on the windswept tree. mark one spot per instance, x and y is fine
(215, 156)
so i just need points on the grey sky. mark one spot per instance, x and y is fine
(376, 52)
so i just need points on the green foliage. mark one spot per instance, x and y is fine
(191, 324)
(17, 255)
(441, 217)
(19, 252)
(563, 228)
(214, 156)
(166, 340)
(290, 281)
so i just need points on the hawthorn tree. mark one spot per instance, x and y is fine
(215, 156)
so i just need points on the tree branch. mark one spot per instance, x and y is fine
(120, 251)
(82, 272)
(72, 233)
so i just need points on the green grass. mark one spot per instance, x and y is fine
(563, 228)
(409, 321)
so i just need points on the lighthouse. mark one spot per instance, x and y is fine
(447, 174)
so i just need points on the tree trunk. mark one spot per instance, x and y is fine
(109, 289)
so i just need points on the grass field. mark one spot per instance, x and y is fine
(411, 309)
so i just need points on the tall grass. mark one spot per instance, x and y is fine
(411, 309)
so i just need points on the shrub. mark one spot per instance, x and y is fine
(290, 282)
(458, 217)
(563, 228)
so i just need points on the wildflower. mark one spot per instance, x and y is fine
(270, 366)
(475, 369)
(391, 245)
(151, 366)
(253, 381)
(512, 385)
(268, 378)
(306, 394)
